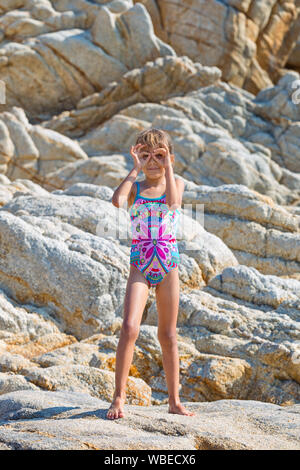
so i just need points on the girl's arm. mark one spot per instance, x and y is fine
(175, 188)
(123, 194)
(180, 189)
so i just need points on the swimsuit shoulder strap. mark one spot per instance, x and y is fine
(137, 188)
(137, 191)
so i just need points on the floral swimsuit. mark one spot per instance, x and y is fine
(154, 249)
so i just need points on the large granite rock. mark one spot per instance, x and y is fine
(71, 53)
(82, 278)
(35, 420)
(249, 40)
(221, 134)
(82, 79)
(78, 47)
(32, 151)
(69, 279)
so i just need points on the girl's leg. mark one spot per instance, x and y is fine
(167, 301)
(135, 300)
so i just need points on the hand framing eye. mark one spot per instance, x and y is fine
(135, 152)
(162, 156)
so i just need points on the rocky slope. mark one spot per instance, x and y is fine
(82, 79)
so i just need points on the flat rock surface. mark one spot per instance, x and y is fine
(71, 420)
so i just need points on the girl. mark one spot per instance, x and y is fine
(154, 260)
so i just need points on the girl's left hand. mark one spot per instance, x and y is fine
(166, 162)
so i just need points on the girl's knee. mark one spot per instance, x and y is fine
(130, 330)
(167, 337)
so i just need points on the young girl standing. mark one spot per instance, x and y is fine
(154, 260)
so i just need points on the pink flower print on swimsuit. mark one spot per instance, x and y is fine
(154, 249)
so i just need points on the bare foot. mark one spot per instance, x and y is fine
(180, 410)
(116, 408)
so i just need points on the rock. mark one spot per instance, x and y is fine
(15, 363)
(294, 57)
(238, 37)
(221, 135)
(62, 230)
(25, 332)
(155, 81)
(100, 351)
(260, 233)
(67, 267)
(206, 121)
(265, 290)
(97, 382)
(77, 58)
(11, 382)
(228, 348)
(8, 189)
(100, 171)
(103, 72)
(72, 231)
(32, 151)
(216, 326)
(71, 420)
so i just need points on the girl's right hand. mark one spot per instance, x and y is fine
(134, 152)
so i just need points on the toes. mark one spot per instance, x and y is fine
(115, 413)
(110, 414)
(182, 411)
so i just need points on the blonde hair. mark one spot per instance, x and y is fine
(153, 137)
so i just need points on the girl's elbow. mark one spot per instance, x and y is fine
(119, 201)
(174, 206)
(115, 202)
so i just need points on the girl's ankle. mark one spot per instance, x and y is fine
(121, 396)
(174, 401)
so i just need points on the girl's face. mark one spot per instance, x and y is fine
(152, 167)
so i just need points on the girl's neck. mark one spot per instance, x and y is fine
(154, 183)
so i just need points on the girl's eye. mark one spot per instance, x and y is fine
(146, 155)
